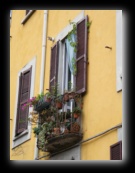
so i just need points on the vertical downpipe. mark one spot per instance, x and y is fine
(43, 58)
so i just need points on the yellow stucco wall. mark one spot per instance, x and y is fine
(25, 44)
(102, 106)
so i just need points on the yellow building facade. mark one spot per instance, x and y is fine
(33, 34)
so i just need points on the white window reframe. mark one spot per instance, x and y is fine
(118, 50)
(26, 135)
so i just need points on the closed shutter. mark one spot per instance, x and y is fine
(54, 65)
(81, 56)
(116, 151)
(23, 96)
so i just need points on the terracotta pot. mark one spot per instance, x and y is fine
(48, 100)
(66, 97)
(76, 115)
(56, 130)
(71, 95)
(59, 105)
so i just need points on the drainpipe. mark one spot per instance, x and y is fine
(42, 74)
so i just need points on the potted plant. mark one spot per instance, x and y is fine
(70, 93)
(58, 101)
(66, 96)
(30, 102)
(77, 112)
(48, 96)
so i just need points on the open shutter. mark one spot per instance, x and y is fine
(54, 65)
(24, 95)
(116, 151)
(81, 56)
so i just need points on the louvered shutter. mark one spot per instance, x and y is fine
(116, 151)
(54, 65)
(81, 56)
(24, 95)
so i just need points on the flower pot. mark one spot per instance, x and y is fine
(58, 105)
(71, 95)
(66, 97)
(56, 130)
(48, 100)
(76, 115)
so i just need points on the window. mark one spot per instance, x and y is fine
(116, 151)
(23, 96)
(60, 68)
(25, 90)
(28, 14)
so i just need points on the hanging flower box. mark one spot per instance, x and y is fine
(62, 142)
(42, 104)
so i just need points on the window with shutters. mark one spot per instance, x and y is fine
(62, 73)
(23, 96)
(61, 70)
(116, 151)
(25, 90)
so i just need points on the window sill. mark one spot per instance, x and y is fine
(22, 134)
(27, 16)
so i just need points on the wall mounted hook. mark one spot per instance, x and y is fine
(108, 47)
(50, 38)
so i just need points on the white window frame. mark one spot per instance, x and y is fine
(26, 135)
(27, 16)
(118, 50)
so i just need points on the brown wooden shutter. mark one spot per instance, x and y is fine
(116, 151)
(81, 56)
(24, 95)
(54, 65)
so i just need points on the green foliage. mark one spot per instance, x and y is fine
(40, 96)
(88, 25)
(74, 66)
(77, 110)
(59, 98)
(55, 90)
(48, 95)
(36, 130)
(73, 44)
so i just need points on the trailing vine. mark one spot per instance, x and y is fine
(73, 44)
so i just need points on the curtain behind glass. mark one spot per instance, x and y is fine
(71, 54)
